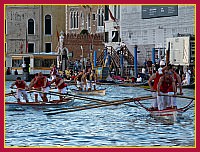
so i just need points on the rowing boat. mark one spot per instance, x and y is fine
(101, 92)
(166, 113)
(40, 104)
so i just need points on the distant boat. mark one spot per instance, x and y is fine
(101, 92)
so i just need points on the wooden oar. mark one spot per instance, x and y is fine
(90, 106)
(71, 95)
(10, 94)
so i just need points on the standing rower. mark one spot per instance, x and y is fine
(21, 86)
(34, 84)
(165, 84)
(155, 77)
(177, 79)
(77, 80)
(60, 84)
(93, 79)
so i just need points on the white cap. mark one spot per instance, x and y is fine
(160, 71)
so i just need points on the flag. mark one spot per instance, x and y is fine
(111, 16)
(57, 33)
(26, 42)
(21, 47)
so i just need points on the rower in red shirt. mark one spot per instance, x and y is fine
(21, 89)
(60, 84)
(177, 79)
(156, 76)
(165, 83)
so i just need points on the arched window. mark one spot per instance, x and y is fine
(74, 20)
(48, 25)
(30, 26)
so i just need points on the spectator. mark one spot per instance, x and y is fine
(8, 72)
(16, 72)
(149, 65)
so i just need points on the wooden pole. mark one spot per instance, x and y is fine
(91, 106)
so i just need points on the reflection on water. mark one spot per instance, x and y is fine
(119, 125)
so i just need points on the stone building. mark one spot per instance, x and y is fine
(32, 30)
(149, 26)
(85, 17)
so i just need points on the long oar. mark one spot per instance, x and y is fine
(91, 106)
(10, 94)
(71, 95)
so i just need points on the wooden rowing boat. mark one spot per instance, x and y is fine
(40, 104)
(101, 92)
(166, 113)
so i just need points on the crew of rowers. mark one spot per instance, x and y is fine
(164, 88)
(85, 80)
(41, 86)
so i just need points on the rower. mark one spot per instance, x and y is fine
(165, 83)
(45, 86)
(88, 79)
(21, 86)
(77, 80)
(35, 85)
(60, 84)
(93, 79)
(155, 77)
(177, 79)
(83, 80)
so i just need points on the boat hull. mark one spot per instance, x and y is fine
(40, 104)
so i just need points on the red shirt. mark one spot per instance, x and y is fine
(156, 80)
(62, 85)
(20, 85)
(166, 86)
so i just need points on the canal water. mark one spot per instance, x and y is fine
(121, 125)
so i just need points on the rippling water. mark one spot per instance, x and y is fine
(120, 125)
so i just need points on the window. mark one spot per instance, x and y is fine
(41, 62)
(30, 48)
(17, 62)
(115, 36)
(106, 13)
(93, 17)
(47, 47)
(48, 25)
(88, 23)
(30, 26)
(74, 20)
(106, 37)
(100, 17)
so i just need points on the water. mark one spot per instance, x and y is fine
(120, 125)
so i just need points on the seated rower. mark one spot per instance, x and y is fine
(21, 86)
(60, 84)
